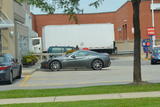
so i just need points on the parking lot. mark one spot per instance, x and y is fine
(120, 72)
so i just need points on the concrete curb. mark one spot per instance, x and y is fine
(80, 97)
(30, 70)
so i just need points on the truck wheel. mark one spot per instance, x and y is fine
(97, 64)
(55, 66)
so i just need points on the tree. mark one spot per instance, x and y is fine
(137, 78)
(71, 7)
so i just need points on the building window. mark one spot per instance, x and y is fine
(124, 30)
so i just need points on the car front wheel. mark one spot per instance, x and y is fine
(97, 64)
(19, 73)
(10, 81)
(153, 62)
(55, 66)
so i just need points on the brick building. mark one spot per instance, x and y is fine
(122, 20)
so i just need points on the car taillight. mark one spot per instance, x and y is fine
(4, 67)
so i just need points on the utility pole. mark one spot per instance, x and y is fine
(153, 25)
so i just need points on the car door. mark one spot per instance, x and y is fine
(14, 65)
(78, 59)
(68, 62)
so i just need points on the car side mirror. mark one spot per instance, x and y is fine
(73, 56)
(15, 60)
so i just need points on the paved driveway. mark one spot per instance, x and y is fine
(120, 72)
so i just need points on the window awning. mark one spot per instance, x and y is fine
(5, 22)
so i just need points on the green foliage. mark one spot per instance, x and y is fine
(134, 102)
(70, 7)
(108, 89)
(44, 5)
(96, 4)
(29, 60)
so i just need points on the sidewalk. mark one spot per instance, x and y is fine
(31, 69)
(80, 97)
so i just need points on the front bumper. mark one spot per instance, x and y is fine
(155, 60)
(44, 65)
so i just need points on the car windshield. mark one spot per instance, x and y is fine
(67, 55)
(56, 50)
(69, 48)
(2, 59)
(72, 53)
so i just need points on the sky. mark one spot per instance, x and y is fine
(107, 6)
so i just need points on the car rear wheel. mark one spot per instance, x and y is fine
(10, 81)
(55, 66)
(97, 64)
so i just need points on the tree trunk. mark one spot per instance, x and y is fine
(137, 78)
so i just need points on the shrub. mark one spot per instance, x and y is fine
(29, 60)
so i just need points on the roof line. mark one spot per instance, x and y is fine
(87, 13)
(76, 14)
(94, 13)
(123, 5)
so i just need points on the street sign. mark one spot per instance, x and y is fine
(151, 31)
(155, 6)
(146, 43)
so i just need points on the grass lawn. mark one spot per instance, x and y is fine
(141, 102)
(79, 91)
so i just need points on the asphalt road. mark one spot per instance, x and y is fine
(120, 72)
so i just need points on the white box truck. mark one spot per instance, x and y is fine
(96, 37)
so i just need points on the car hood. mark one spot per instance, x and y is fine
(4, 64)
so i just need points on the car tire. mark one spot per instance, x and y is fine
(55, 66)
(10, 81)
(19, 73)
(152, 62)
(97, 64)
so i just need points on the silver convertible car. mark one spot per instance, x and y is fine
(80, 58)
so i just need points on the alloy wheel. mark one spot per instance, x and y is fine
(55, 66)
(97, 65)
